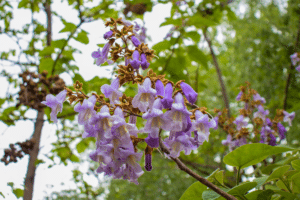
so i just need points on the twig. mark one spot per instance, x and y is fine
(202, 180)
(223, 88)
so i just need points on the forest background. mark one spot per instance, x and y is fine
(215, 46)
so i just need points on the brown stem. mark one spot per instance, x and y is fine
(223, 88)
(288, 79)
(202, 180)
(29, 180)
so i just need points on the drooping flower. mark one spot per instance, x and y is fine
(86, 110)
(101, 57)
(238, 97)
(111, 91)
(152, 142)
(103, 122)
(294, 58)
(168, 100)
(148, 161)
(160, 88)
(298, 68)
(257, 97)
(144, 63)
(135, 62)
(135, 41)
(55, 103)
(261, 113)
(288, 117)
(189, 92)
(108, 34)
(202, 125)
(281, 130)
(178, 115)
(145, 97)
(240, 122)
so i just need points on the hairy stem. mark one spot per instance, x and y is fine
(202, 180)
(215, 60)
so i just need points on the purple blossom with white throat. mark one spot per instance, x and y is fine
(240, 122)
(189, 92)
(294, 58)
(86, 110)
(55, 103)
(261, 113)
(202, 125)
(257, 97)
(288, 117)
(103, 122)
(145, 97)
(111, 91)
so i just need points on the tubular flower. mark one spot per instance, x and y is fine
(111, 91)
(135, 41)
(55, 103)
(144, 63)
(108, 35)
(240, 123)
(168, 100)
(86, 110)
(145, 97)
(281, 130)
(135, 63)
(103, 122)
(101, 57)
(177, 116)
(288, 117)
(159, 86)
(189, 92)
(202, 125)
(261, 113)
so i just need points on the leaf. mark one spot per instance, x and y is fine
(170, 21)
(216, 177)
(251, 154)
(38, 161)
(260, 181)
(278, 173)
(296, 164)
(18, 192)
(47, 51)
(242, 188)
(2, 194)
(253, 195)
(211, 195)
(69, 27)
(46, 64)
(74, 158)
(82, 146)
(265, 195)
(197, 55)
(11, 184)
(161, 46)
(287, 195)
(194, 192)
(58, 43)
(82, 37)
(23, 4)
(295, 183)
(194, 35)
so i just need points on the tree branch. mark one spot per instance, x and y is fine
(291, 68)
(202, 180)
(223, 88)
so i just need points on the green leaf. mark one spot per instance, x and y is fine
(24, 4)
(74, 158)
(265, 195)
(82, 37)
(260, 181)
(11, 184)
(280, 184)
(194, 192)
(170, 21)
(296, 164)
(47, 51)
(242, 188)
(46, 64)
(295, 183)
(2, 194)
(194, 35)
(38, 161)
(211, 195)
(251, 154)
(253, 195)
(197, 55)
(82, 146)
(278, 173)
(18, 192)
(216, 177)
(58, 43)
(287, 195)
(161, 46)
(69, 27)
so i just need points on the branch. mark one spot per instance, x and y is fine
(291, 68)
(202, 180)
(223, 88)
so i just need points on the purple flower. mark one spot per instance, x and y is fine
(152, 142)
(281, 130)
(126, 23)
(272, 140)
(238, 97)
(120, 128)
(189, 92)
(266, 132)
(135, 41)
(103, 122)
(288, 117)
(178, 115)
(144, 63)
(155, 120)
(142, 35)
(178, 142)
(202, 125)
(168, 100)
(298, 68)
(240, 123)
(159, 86)
(145, 97)
(55, 103)
(257, 97)
(148, 160)
(228, 140)
(135, 63)
(127, 61)
(86, 110)
(261, 113)
(111, 91)
(108, 34)
(294, 58)
(101, 57)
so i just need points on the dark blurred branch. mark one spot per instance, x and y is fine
(202, 180)
(291, 68)
(215, 60)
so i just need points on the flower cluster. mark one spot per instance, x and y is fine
(162, 104)
(295, 58)
(254, 123)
